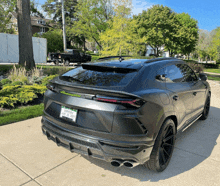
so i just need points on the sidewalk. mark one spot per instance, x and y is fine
(28, 158)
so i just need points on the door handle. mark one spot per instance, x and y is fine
(194, 93)
(175, 97)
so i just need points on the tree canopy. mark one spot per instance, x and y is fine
(160, 26)
(92, 18)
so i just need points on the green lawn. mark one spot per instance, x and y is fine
(212, 70)
(21, 114)
(213, 78)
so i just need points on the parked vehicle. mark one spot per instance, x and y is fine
(54, 57)
(72, 55)
(126, 112)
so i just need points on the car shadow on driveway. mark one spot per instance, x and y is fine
(193, 147)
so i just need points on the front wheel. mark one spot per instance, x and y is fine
(67, 62)
(163, 147)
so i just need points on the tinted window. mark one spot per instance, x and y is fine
(173, 74)
(188, 73)
(161, 75)
(97, 78)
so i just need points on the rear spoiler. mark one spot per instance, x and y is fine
(121, 58)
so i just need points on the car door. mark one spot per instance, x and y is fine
(198, 89)
(180, 92)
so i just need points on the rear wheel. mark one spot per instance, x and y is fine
(67, 62)
(57, 62)
(163, 147)
(205, 112)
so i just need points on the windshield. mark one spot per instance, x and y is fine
(97, 78)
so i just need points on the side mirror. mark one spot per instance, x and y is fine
(203, 76)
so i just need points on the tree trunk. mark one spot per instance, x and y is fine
(26, 56)
(97, 43)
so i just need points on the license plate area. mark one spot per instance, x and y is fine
(68, 113)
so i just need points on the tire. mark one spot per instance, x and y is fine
(57, 63)
(162, 150)
(205, 112)
(67, 62)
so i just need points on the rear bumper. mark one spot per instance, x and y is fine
(108, 150)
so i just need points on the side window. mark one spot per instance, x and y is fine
(188, 73)
(173, 74)
(161, 75)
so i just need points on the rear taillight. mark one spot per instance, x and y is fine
(129, 102)
(59, 56)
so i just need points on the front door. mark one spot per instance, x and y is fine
(180, 92)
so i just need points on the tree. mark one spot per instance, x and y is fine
(117, 38)
(54, 40)
(34, 11)
(25, 34)
(156, 26)
(91, 19)
(6, 6)
(187, 33)
(53, 9)
(215, 47)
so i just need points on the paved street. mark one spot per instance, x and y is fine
(28, 158)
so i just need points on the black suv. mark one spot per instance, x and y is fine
(126, 112)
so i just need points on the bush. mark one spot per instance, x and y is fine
(47, 79)
(5, 81)
(17, 83)
(55, 71)
(16, 92)
(4, 69)
(196, 67)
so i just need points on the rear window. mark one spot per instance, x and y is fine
(97, 78)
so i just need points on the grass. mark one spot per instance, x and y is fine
(212, 70)
(20, 114)
(213, 78)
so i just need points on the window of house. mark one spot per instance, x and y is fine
(42, 29)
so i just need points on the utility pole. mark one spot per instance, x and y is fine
(64, 30)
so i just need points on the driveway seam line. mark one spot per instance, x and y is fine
(30, 181)
(18, 168)
(55, 167)
(196, 154)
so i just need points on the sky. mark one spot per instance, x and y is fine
(206, 12)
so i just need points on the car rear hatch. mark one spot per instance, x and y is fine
(80, 99)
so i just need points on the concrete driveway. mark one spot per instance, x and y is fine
(28, 158)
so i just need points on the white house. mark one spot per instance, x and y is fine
(150, 50)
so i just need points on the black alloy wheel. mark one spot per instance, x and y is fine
(67, 62)
(163, 147)
(205, 112)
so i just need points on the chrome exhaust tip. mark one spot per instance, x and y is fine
(116, 163)
(130, 164)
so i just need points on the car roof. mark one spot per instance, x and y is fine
(131, 63)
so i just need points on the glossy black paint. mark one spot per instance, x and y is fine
(112, 131)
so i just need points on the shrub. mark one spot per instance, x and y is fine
(12, 94)
(196, 67)
(5, 81)
(18, 74)
(55, 71)
(47, 79)
(4, 69)
(17, 83)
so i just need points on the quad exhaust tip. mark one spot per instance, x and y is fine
(126, 163)
(116, 163)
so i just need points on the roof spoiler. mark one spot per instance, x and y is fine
(121, 58)
(161, 59)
